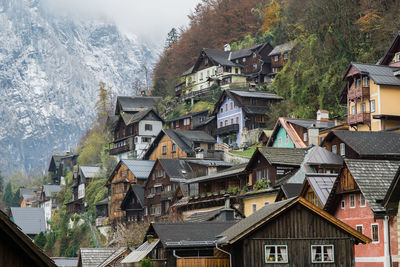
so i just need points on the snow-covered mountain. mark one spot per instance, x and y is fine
(50, 68)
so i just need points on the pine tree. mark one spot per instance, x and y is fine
(8, 195)
(1, 183)
(172, 38)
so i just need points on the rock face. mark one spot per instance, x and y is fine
(50, 68)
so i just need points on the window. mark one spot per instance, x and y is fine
(236, 70)
(362, 201)
(148, 127)
(232, 121)
(334, 149)
(353, 110)
(276, 58)
(287, 139)
(358, 83)
(366, 82)
(186, 121)
(221, 110)
(146, 139)
(266, 203)
(363, 107)
(201, 76)
(237, 61)
(221, 124)
(322, 253)
(352, 201)
(397, 57)
(254, 208)
(226, 106)
(173, 148)
(231, 105)
(226, 122)
(164, 150)
(342, 149)
(168, 188)
(276, 253)
(255, 66)
(375, 233)
(166, 206)
(285, 56)
(359, 228)
(343, 204)
(372, 106)
(279, 141)
(244, 59)
(305, 137)
(254, 55)
(237, 120)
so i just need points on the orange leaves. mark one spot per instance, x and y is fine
(371, 21)
(271, 16)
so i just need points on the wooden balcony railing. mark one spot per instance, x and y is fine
(119, 150)
(233, 128)
(360, 118)
(358, 93)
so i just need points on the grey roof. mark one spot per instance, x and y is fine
(371, 143)
(203, 216)
(291, 189)
(93, 257)
(50, 189)
(256, 94)
(65, 262)
(235, 170)
(139, 192)
(189, 115)
(118, 253)
(252, 220)
(245, 52)
(102, 202)
(135, 103)
(380, 74)
(373, 177)
(320, 156)
(142, 251)
(31, 220)
(185, 139)
(211, 162)
(27, 191)
(140, 168)
(89, 171)
(189, 234)
(188, 71)
(312, 123)
(176, 168)
(322, 185)
(220, 57)
(279, 49)
(140, 115)
(283, 156)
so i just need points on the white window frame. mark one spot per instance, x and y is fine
(334, 149)
(352, 197)
(322, 251)
(276, 254)
(305, 137)
(362, 228)
(244, 59)
(365, 201)
(372, 235)
(276, 58)
(372, 106)
(285, 56)
(342, 149)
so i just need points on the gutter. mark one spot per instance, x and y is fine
(176, 256)
(226, 252)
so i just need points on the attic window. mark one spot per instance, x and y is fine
(397, 57)
(276, 58)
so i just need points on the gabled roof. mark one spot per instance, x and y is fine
(221, 57)
(188, 234)
(248, 51)
(93, 257)
(134, 103)
(282, 156)
(310, 123)
(117, 255)
(89, 171)
(141, 252)
(176, 168)
(142, 114)
(140, 168)
(23, 243)
(31, 220)
(369, 144)
(288, 190)
(233, 171)
(390, 53)
(321, 185)
(51, 189)
(380, 74)
(320, 156)
(279, 49)
(189, 115)
(65, 261)
(136, 189)
(392, 197)
(54, 162)
(271, 211)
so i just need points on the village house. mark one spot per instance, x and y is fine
(90, 257)
(17, 249)
(189, 121)
(316, 188)
(264, 137)
(300, 133)
(133, 203)
(174, 144)
(81, 179)
(101, 211)
(361, 144)
(29, 197)
(279, 56)
(256, 199)
(48, 201)
(31, 221)
(357, 198)
(288, 190)
(127, 172)
(60, 164)
(134, 126)
(238, 111)
(115, 259)
(292, 232)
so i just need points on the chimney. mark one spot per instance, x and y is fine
(227, 214)
(322, 115)
(313, 135)
(227, 47)
(227, 201)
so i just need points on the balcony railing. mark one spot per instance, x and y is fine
(233, 128)
(360, 118)
(358, 93)
(119, 150)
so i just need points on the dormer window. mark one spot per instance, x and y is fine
(366, 82)
(276, 58)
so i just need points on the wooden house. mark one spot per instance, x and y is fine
(288, 190)
(254, 200)
(115, 259)
(316, 188)
(134, 126)
(29, 197)
(60, 164)
(264, 137)
(127, 172)
(17, 249)
(299, 133)
(133, 203)
(292, 232)
(89, 257)
(241, 110)
(101, 211)
(189, 121)
(31, 221)
(357, 199)
(366, 145)
(48, 200)
(175, 144)
(279, 56)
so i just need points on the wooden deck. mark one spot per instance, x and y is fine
(202, 262)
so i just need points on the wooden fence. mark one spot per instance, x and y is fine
(202, 262)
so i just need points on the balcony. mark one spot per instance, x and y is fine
(119, 150)
(233, 128)
(361, 92)
(360, 118)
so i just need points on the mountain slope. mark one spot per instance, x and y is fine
(50, 67)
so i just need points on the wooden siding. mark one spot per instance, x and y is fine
(347, 182)
(298, 228)
(349, 153)
(202, 262)
(158, 153)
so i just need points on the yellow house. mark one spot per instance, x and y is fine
(255, 200)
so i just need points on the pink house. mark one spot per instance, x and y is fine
(357, 198)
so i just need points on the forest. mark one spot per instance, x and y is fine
(329, 34)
